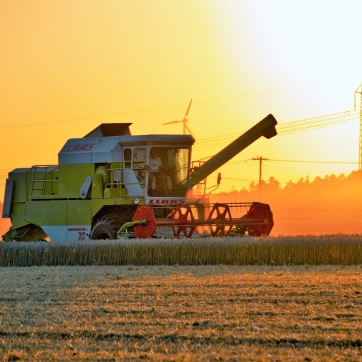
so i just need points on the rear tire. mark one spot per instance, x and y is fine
(106, 228)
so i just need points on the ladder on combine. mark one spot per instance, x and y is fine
(42, 182)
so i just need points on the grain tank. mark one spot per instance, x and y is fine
(102, 179)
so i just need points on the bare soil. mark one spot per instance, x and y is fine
(174, 313)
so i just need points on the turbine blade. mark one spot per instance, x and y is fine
(188, 108)
(188, 129)
(172, 122)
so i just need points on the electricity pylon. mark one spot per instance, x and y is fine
(359, 90)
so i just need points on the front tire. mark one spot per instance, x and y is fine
(106, 228)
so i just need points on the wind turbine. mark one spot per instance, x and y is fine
(184, 121)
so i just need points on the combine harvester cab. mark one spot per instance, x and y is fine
(111, 184)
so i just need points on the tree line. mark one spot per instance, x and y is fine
(325, 205)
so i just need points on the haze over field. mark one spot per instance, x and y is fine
(68, 66)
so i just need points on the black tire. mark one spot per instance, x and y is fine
(106, 228)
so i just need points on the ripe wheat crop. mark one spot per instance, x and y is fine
(303, 250)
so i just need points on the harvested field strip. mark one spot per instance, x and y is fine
(173, 338)
(181, 313)
(303, 250)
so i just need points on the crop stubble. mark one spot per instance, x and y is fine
(183, 313)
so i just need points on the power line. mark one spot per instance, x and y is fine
(161, 108)
(314, 119)
(302, 161)
(236, 162)
(315, 123)
(257, 94)
(287, 128)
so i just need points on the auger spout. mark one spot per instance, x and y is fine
(265, 127)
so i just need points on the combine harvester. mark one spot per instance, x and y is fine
(112, 185)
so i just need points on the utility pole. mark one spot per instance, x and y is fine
(359, 90)
(260, 159)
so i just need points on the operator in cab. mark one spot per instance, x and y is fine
(158, 180)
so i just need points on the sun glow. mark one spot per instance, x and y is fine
(66, 68)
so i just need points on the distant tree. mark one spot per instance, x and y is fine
(355, 176)
(272, 185)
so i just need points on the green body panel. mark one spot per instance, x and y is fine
(20, 186)
(114, 192)
(17, 215)
(98, 204)
(71, 179)
(58, 212)
(79, 212)
(46, 212)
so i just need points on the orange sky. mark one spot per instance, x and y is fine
(67, 66)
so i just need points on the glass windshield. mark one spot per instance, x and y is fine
(168, 170)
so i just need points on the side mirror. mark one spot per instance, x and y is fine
(218, 178)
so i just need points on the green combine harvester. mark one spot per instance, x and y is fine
(111, 185)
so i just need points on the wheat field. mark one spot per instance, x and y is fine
(229, 299)
(283, 250)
